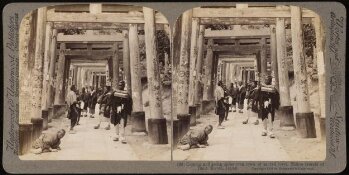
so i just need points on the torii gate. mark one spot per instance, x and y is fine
(276, 17)
(48, 24)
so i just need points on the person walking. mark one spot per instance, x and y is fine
(220, 106)
(104, 107)
(241, 96)
(92, 102)
(121, 108)
(73, 112)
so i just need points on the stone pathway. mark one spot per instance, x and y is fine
(237, 142)
(86, 144)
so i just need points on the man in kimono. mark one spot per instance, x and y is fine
(220, 104)
(195, 139)
(48, 142)
(269, 101)
(73, 108)
(121, 108)
(104, 107)
(241, 96)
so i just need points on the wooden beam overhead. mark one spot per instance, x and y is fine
(245, 21)
(251, 12)
(241, 41)
(92, 38)
(127, 18)
(95, 53)
(232, 48)
(239, 33)
(98, 26)
(84, 45)
(105, 8)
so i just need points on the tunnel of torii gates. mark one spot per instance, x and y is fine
(244, 55)
(89, 60)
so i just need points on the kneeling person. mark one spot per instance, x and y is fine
(195, 139)
(48, 142)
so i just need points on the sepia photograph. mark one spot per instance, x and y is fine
(249, 84)
(94, 83)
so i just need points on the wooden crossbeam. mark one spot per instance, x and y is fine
(95, 53)
(98, 26)
(237, 33)
(105, 8)
(241, 41)
(232, 59)
(245, 21)
(92, 38)
(252, 12)
(84, 45)
(127, 18)
(242, 48)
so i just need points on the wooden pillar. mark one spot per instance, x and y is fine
(138, 115)
(183, 74)
(46, 78)
(304, 117)
(263, 60)
(273, 56)
(193, 60)
(37, 78)
(126, 60)
(320, 40)
(59, 78)
(199, 83)
(52, 67)
(115, 61)
(286, 109)
(208, 86)
(157, 123)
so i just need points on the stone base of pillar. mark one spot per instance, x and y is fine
(44, 116)
(157, 131)
(306, 124)
(207, 106)
(50, 114)
(192, 112)
(176, 131)
(37, 127)
(322, 122)
(58, 110)
(138, 121)
(198, 110)
(25, 137)
(184, 123)
(285, 114)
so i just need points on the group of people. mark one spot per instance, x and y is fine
(112, 106)
(109, 105)
(254, 98)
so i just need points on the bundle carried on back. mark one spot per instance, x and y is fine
(121, 94)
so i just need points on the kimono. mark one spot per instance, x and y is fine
(92, 102)
(271, 96)
(241, 96)
(120, 107)
(194, 138)
(47, 141)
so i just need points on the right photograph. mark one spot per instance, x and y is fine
(248, 84)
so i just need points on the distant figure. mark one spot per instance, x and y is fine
(104, 109)
(73, 108)
(83, 99)
(253, 92)
(241, 96)
(234, 94)
(92, 102)
(48, 142)
(220, 104)
(195, 139)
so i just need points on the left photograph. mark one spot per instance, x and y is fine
(94, 83)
